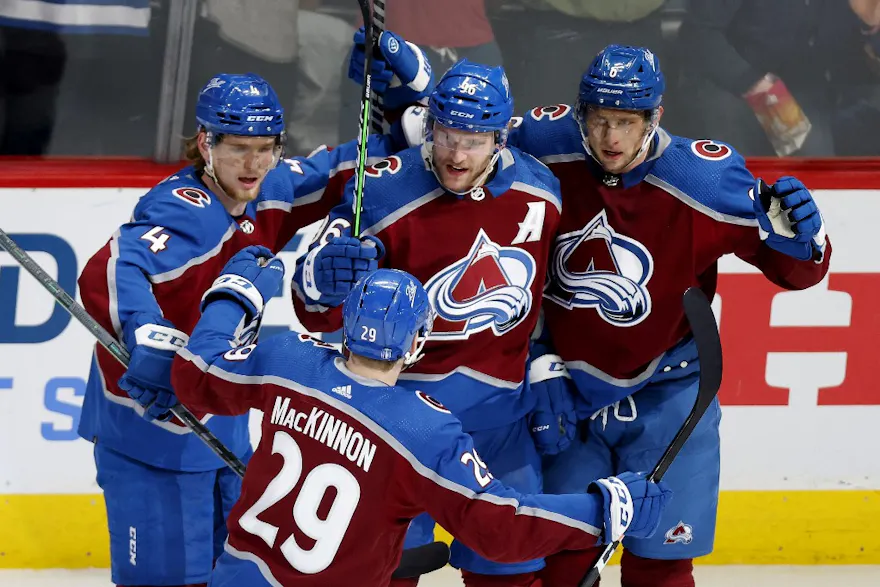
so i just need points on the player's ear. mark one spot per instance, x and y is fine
(202, 141)
(659, 114)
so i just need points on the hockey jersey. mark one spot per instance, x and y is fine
(179, 238)
(629, 246)
(482, 259)
(345, 463)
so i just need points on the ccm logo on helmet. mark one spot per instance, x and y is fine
(259, 118)
(462, 114)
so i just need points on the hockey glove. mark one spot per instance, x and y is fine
(633, 505)
(153, 343)
(251, 278)
(553, 421)
(402, 75)
(789, 220)
(334, 268)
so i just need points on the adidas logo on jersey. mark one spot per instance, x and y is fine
(343, 390)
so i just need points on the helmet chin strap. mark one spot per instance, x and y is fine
(209, 165)
(411, 358)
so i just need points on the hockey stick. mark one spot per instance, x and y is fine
(364, 122)
(705, 331)
(421, 560)
(378, 111)
(113, 346)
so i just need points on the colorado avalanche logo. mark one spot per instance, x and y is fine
(597, 268)
(552, 112)
(489, 288)
(391, 165)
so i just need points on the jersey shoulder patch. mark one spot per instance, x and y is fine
(179, 196)
(182, 205)
(709, 176)
(549, 132)
(395, 186)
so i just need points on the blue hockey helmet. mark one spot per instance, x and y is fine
(623, 77)
(240, 104)
(384, 313)
(473, 97)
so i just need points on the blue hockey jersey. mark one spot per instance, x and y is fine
(346, 462)
(161, 262)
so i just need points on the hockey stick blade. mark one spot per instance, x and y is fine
(63, 299)
(701, 320)
(421, 560)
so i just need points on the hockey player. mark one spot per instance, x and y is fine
(166, 493)
(475, 221)
(347, 457)
(647, 215)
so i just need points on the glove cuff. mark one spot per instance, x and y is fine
(240, 289)
(619, 504)
(547, 367)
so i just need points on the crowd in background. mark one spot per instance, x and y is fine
(771, 77)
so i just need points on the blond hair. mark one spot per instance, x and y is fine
(192, 154)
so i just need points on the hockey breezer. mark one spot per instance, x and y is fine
(114, 347)
(705, 330)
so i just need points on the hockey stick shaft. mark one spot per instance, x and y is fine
(378, 111)
(364, 122)
(705, 330)
(113, 346)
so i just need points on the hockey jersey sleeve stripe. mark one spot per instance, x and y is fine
(538, 193)
(564, 158)
(113, 301)
(175, 273)
(467, 372)
(261, 564)
(402, 211)
(693, 203)
(308, 304)
(119, 274)
(390, 440)
(304, 200)
(636, 381)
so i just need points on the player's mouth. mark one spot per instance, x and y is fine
(248, 182)
(612, 155)
(456, 171)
